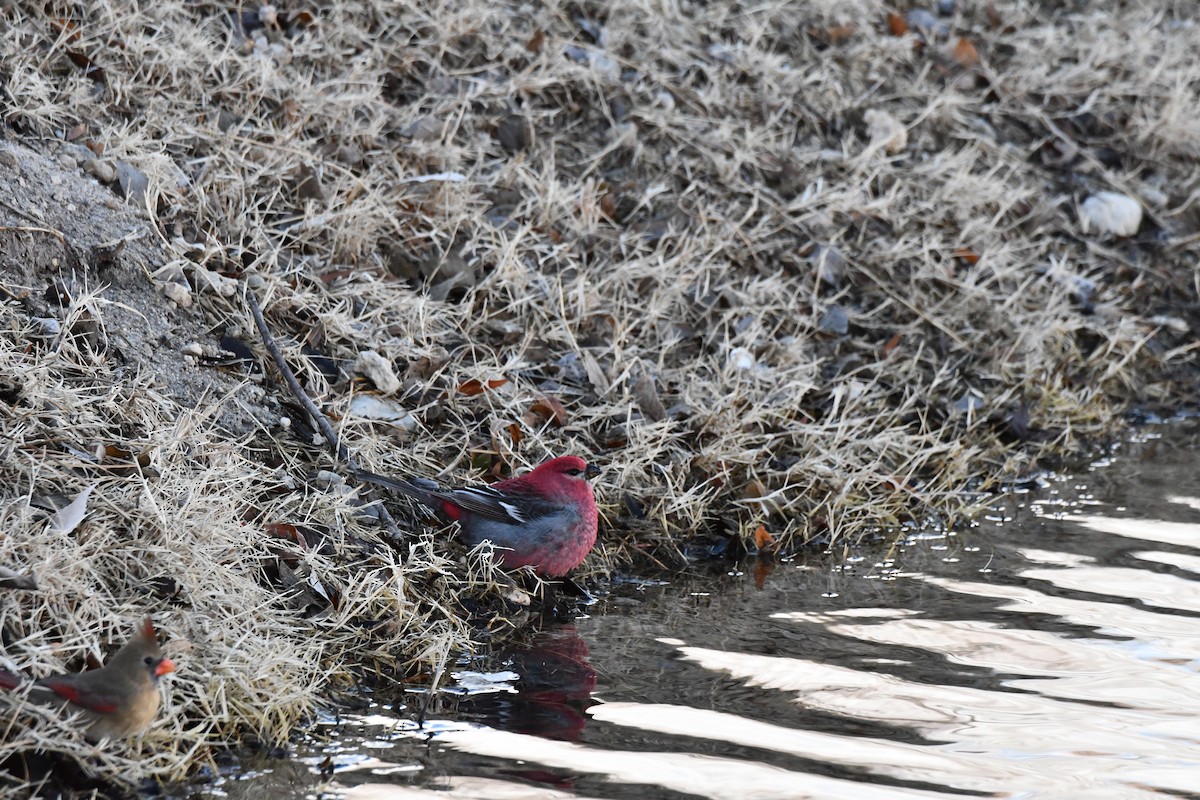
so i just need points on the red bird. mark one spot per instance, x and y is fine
(118, 700)
(546, 519)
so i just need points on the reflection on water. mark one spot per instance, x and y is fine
(1046, 654)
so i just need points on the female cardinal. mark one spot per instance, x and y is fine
(118, 700)
(545, 519)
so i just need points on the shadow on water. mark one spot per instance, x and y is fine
(1049, 651)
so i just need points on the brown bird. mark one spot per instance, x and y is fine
(118, 700)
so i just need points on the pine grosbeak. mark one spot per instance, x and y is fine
(546, 519)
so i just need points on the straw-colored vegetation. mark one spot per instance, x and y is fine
(780, 264)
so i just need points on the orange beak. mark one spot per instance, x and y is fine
(164, 666)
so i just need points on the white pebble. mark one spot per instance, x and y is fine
(741, 358)
(1111, 213)
(179, 294)
(886, 131)
(378, 370)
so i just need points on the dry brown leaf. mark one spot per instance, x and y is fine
(286, 530)
(762, 538)
(548, 407)
(891, 343)
(966, 254)
(896, 24)
(965, 53)
(474, 387)
(647, 398)
(838, 33)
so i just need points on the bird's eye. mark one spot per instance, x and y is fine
(148, 661)
(575, 472)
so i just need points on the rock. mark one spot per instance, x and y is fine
(1111, 213)
(968, 404)
(103, 171)
(132, 183)
(741, 359)
(514, 133)
(886, 131)
(378, 370)
(350, 154)
(179, 294)
(835, 320)
(425, 129)
(830, 264)
(208, 280)
(171, 281)
(375, 408)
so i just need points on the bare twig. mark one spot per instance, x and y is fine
(340, 450)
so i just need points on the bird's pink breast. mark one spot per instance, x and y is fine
(556, 558)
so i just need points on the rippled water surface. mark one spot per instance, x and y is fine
(1050, 651)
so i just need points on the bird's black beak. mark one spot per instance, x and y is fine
(591, 471)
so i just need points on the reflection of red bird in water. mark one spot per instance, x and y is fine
(118, 700)
(556, 685)
(554, 690)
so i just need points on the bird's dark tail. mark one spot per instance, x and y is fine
(405, 486)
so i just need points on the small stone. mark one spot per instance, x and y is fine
(886, 131)
(328, 479)
(192, 349)
(920, 20)
(226, 120)
(179, 294)
(741, 359)
(350, 154)
(132, 183)
(47, 326)
(514, 133)
(968, 404)
(378, 370)
(1111, 213)
(372, 407)
(425, 129)
(211, 281)
(830, 264)
(835, 320)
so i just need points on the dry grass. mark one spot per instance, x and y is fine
(647, 189)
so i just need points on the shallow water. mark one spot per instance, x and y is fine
(1051, 650)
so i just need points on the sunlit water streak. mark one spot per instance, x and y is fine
(1043, 655)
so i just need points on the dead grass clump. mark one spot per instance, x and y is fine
(179, 524)
(802, 266)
